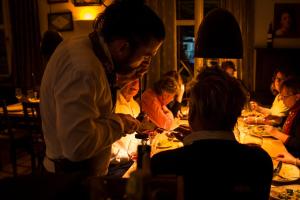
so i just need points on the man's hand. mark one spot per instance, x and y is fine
(254, 105)
(130, 123)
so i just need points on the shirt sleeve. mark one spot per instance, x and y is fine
(83, 129)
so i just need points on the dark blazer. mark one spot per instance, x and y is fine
(218, 169)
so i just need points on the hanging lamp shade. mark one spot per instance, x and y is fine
(219, 36)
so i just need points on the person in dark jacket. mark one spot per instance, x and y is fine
(213, 164)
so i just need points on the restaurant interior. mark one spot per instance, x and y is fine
(192, 41)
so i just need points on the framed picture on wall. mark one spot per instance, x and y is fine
(60, 21)
(87, 2)
(56, 1)
(287, 20)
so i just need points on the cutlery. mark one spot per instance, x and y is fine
(277, 169)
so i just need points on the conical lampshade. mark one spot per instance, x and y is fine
(219, 36)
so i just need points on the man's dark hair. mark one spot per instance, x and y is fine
(50, 41)
(216, 100)
(292, 83)
(131, 20)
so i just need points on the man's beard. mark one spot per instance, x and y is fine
(123, 69)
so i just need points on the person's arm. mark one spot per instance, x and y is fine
(155, 111)
(288, 158)
(176, 104)
(83, 128)
(263, 110)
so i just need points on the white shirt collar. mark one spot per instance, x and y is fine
(208, 134)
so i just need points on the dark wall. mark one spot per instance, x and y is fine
(267, 60)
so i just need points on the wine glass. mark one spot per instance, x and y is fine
(30, 94)
(132, 149)
(18, 93)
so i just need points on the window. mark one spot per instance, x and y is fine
(188, 16)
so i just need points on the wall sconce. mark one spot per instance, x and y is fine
(219, 36)
(88, 13)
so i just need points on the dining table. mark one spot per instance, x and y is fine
(284, 186)
(15, 110)
(286, 181)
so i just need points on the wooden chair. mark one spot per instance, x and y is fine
(33, 123)
(17, 138)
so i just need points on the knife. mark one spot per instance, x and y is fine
(277, 169)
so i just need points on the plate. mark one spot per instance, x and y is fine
(288, 173)
(285, 192)
(163, 144)
(259, 130)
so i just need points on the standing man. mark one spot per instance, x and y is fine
(79, 87)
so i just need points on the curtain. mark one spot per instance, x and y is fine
(165, 59)
(26, 57)
(243, 11)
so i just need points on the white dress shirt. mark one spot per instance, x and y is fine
(278, 108)
(76, 106)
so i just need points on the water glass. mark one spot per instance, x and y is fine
(132, 149)
(19, 94)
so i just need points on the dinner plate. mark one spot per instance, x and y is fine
(291, 192)
(259, 130)
(288, 173)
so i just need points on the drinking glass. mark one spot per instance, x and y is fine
(132, 149)
(30, 94)
(19, 94)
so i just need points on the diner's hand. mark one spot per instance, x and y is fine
(254, 120)
(272, 120)
(130, 123)
(254, 105)
(179, 115)
(180, 93)
(166, 110)
(286, 157)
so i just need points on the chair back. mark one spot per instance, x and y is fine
(33, 122)
(3, 107)
(5, 122)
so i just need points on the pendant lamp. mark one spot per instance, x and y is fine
(219, 36)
